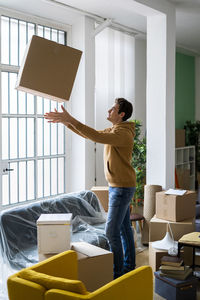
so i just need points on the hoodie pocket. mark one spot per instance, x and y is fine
(108, 167)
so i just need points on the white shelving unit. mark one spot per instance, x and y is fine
(185, 159)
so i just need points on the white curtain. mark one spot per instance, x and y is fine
(114, 78)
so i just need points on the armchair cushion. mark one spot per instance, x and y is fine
(51, 282)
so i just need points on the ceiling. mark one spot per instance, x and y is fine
(187, 14)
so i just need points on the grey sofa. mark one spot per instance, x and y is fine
(18, 227)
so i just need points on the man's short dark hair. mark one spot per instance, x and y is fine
(124, 106)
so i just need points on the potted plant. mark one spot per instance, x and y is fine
(139, 164)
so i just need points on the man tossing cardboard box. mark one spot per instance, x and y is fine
(48, 69)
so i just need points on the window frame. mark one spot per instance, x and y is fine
(8, 68)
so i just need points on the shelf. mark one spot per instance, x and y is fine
(185, 160)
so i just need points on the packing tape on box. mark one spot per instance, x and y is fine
(149, 208)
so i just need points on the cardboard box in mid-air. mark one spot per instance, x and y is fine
(48, 69)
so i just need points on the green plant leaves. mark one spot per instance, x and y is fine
(139, 163)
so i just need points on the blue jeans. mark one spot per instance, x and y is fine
(119, 231)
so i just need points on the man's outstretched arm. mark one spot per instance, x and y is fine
(119, 138)
(53, 118)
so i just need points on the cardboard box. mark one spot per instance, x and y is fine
(180, 138)
(95, 265)
(43, 256)
(175, 208)
(155, 256)
(102, 194)
(171, 288)
(48, 69)
(183, 176)
(54, 233)
(158, 228)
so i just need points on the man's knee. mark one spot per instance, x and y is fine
(112, 234)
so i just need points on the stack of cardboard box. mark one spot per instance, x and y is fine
(177, 210)
(95, 265)
(102, 194)
(53, 233)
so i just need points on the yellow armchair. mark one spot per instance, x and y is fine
(56, 278)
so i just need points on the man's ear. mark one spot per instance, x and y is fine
(122, 114)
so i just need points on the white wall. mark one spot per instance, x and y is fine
(140, 82)
(81, 168)
(160, 100)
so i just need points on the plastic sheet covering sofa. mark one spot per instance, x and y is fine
(18, 228)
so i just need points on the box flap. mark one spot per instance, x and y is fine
(88, 249)
(63, 219)
(157, 220)
(99, 188)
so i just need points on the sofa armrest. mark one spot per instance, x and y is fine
(63, 265)
(21, 289)
(137, 284)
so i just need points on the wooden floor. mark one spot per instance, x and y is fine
(142, 258)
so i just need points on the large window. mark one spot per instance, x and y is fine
(33, 150)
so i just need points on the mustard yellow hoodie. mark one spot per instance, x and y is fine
(118, 141)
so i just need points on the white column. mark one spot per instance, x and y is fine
(81, 167)
(160, 99)
(160, 106)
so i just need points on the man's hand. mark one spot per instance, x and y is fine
(59, 117)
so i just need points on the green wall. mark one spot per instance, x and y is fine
(185, 89)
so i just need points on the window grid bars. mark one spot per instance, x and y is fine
(9, 193)
(50, 161)
(35, 138)
(9, 42)
(18, 42)
(35, 116)
(34, 159)
(43, 134)
(43, 151)
(15, 160)
(35, 148)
